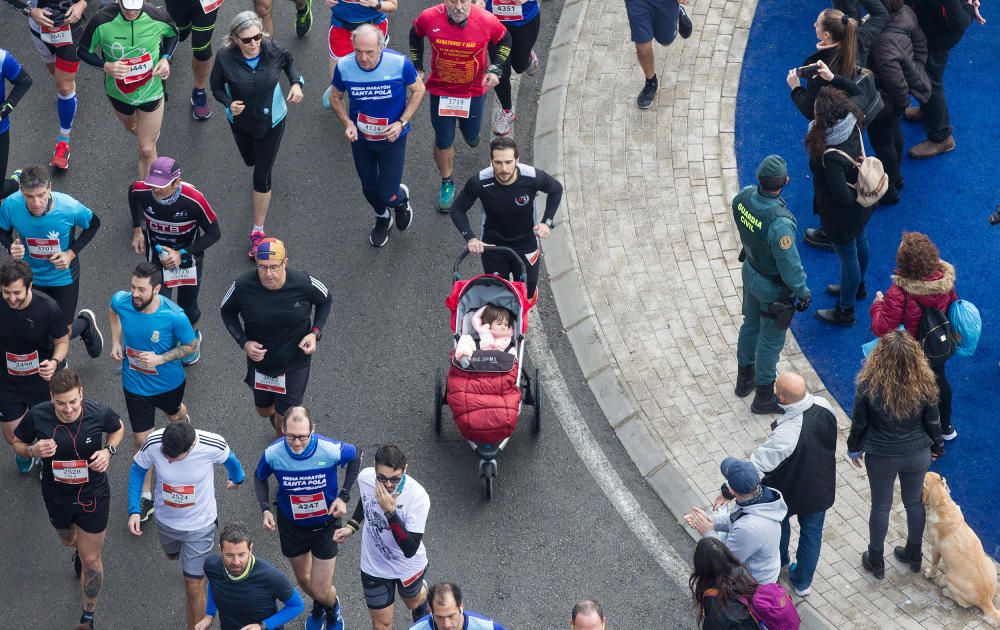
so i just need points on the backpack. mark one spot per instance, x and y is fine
(772, 608)
(934, 334)
(873, 183)
(967, 326)
(865, 79)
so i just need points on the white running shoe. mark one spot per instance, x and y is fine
(503, 122)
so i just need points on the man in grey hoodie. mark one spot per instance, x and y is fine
(754, 527)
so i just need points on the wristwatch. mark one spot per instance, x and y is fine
(112, 449)
(550, 223)
(26, 11)
(317, 332)
(495, 69)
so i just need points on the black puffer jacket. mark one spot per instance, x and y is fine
(898, 58)
(834, 200)
(943, 21)
(875, 432)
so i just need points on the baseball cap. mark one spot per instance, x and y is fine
(164, 170)
(772, 166)
(741, 476)
(270, 249)
(131, 5)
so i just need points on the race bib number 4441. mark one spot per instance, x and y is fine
(139, 69)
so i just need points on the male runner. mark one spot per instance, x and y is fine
(345, 17)
(507, 191)
(56, 27)
(243, 589)
(448, 612)
(385, 92)
(460, 35)
(186, 514)
(197, 19)
(309, 507)
(34, 342)
(67, 433)
(47, 240)
(149, 335)
(393, 509)
(284, 311)
(10, 72)
(173, 224)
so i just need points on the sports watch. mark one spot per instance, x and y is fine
(112, 449)
(549, 222)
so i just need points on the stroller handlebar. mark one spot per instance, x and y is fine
(522, 277)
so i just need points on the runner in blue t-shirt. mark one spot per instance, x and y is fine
(449, 613)
(150, 335)
(310, 502)
(345, 17)
(46, 223)
(523, 20)
(384, 92)
(10, 71)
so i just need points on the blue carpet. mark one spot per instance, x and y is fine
(947, 197)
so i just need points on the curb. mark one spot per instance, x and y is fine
(578, 319)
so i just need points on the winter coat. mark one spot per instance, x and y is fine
(897, 58)
(943, 21)
(841, 216)
(726, 614)
(875, 432)
(935, 291)
(754, 532)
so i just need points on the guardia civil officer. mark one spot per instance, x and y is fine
(772, 280)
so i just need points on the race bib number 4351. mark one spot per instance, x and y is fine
(508, 10)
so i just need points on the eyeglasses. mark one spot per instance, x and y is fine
(270, 268)
(252, 38)
(301, 439)
(384, 479)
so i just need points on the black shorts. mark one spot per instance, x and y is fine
(296, 540)
(381, 592)
(12, 409)
(64, 57)
(66, 297)
(295, 390)
(64, 512)
(188, 14)
(142, 409)
(127, 110)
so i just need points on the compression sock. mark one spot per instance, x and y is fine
(66, 106)
(447, 179)
(80, 326)
(87, 617)
(257, 228)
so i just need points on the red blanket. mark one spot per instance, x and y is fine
(484, 404)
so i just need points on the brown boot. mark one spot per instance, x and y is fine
(913, 114)
(929, 148)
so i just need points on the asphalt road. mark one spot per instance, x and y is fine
(548, 537)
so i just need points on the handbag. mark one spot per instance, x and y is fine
(865, 79)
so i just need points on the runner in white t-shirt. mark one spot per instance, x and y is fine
(393, 508)
(184, 493)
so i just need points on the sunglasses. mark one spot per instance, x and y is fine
(252, 38)
(385, 479)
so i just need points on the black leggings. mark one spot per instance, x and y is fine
(522, 41)
(501, 264)
(192, 20)
(7, 186)
(187, 295)
(259, 153)
(944, 398)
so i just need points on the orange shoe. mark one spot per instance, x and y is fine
(60, 156)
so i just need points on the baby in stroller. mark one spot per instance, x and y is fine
(495, 327)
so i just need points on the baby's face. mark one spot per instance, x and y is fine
(500, 326)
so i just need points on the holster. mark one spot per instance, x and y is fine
(782, 310)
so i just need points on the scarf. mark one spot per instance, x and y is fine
(841, 131)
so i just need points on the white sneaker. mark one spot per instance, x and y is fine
(950, 436)
(532, 69)
(503, 122)
(802, 592)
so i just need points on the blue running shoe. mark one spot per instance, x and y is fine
(24, 464)
(333, 619)
(446, 196)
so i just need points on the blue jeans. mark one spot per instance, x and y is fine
(807, 554)
(853, 264)
(380, 167)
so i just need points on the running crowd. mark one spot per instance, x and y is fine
(275, 313)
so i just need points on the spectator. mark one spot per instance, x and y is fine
(833, 142)
(921, 280)
(754, 527)
(898, 58)
(717, 583)
(895, 432)
(649, 19)
(587, 615)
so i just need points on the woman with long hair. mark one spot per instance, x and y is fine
(833, 143)
(895, 432)
(717, 583)
(921, 280)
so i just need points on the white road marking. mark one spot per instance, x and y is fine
(557, 403)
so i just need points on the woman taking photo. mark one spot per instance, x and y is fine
(922, 279)
(245, 79)
(717, 583)
(832, 142)
(895, 432)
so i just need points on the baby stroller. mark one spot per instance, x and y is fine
(486, 395)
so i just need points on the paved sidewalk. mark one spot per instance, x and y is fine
(644, 272)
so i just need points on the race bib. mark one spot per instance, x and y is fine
(507, 10)
(454, 106)
(180, 277)
(22, 364)
(42, 248)
(265, 383)
(207, 6)
(58, 36)
(140, 69)
(72, 471)
(308, 505)
(134, 364)
(178, 496)
(372, 128)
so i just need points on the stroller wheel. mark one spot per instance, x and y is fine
(536, 405)
(488, 471)
(438, 399)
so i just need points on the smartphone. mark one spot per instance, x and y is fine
(807, 72)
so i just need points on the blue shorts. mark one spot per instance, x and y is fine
(652, 19)
(444, 126)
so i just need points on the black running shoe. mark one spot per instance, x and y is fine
(77, 565)
(146, 509)
(92, 337)
(404, 213)
(304, 20)
(648, 93)
(684, 24)
(380, 232)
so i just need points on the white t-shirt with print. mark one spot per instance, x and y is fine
(380, 554)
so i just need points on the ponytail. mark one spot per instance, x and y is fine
(844, 32)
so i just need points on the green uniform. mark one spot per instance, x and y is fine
(137, 41)
(767, 230)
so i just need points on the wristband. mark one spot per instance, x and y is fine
(353, 525)
(495, 69)
(317, 332)
(165, 57)
(265, 507)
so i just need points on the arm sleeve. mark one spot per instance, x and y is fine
(86, 235)
(859, 423)
(6, 238)
(416, 47)
(350, 477)
(553, 193)
(409, 542)
(168, 45)
(359, 512)
(135, 208)
(217, 82)
(460, 208)
(135, 477)
(88, 46)
(805, 97)
(893, 77)
(847, 85)
(787, 260)
(294, 606)
(21, 83)
(919, 41)
(956, 14)
(773, 451)
(210, 608)
(261, 487)
(501, 50)
(230, 312)
(233, 468)
(742, 542)
(320, 297)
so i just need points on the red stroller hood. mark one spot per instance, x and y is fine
(516, 288)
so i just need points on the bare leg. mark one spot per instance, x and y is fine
(316, 577)
(92, 578)
(445, 159)
(195, 597)
(644, 52)
(201, 69)
(129, 122)
(263, 10)
(382, 619)
(147, 131)
(261, 203)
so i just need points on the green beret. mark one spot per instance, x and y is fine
(772, 166)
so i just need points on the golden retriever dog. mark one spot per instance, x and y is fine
(971, 579)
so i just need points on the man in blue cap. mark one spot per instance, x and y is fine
(773, 278)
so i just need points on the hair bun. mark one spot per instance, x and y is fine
(845, 19)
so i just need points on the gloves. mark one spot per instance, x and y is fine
(803, 304)
(5, 109)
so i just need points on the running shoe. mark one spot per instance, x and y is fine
(380, 232)
(648, 93)
(146, 509)
(200, 109)
(404, 213)
(16, 176)
(333, 619)
(503, 121)
(446, 196)
(316, 618)
(192, 358)
(24, 464)
(77, 565)
(92, 337)
(532, 68)
(950, 435)
(684, 24)
(326, 98)
(304, 20)
(60, 156)
(255, 239)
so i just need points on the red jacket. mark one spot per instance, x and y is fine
(936, 290)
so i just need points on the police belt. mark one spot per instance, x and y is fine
(776, 279)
